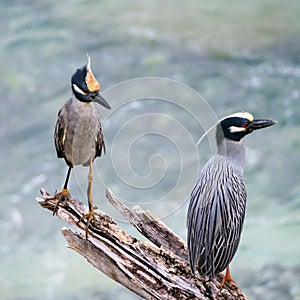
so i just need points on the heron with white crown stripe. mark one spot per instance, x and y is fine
(218, 201)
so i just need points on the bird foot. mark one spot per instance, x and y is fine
(226, 278)
(61, 197)
(89, 217)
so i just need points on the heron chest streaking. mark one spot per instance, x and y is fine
(218, 201)
(78, 132)
(82, 132)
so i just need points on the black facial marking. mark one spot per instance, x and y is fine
(223, 129)
(78, 79)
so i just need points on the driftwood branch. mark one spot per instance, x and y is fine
(156, 270)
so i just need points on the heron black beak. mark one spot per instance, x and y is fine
(261, 123)
(99, 99)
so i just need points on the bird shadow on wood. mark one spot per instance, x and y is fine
(154, 269)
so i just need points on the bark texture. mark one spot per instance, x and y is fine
(157, 269)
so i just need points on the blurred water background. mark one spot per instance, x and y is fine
(240, 55)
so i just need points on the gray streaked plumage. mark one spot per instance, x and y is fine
(218, 201)
(78, 132)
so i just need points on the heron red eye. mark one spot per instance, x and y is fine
(245, 124)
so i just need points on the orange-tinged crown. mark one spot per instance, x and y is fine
(90, 80)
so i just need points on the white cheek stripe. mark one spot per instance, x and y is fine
(78, 90)
(234, 129)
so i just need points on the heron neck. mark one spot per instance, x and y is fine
(234, 151)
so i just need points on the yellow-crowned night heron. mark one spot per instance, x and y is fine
(78, 132)
(217, 207)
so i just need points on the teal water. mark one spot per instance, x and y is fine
(251, 62)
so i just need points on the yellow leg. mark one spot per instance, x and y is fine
(89, 189)
(90, 215)
(226, 278)
(64, 192)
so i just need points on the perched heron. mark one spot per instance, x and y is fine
(217, 206)
(78, 132)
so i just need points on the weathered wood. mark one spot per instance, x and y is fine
(157, 270)
(150, 226)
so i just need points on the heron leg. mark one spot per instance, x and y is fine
(64, 192)
(226, 278)
(90, 215)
